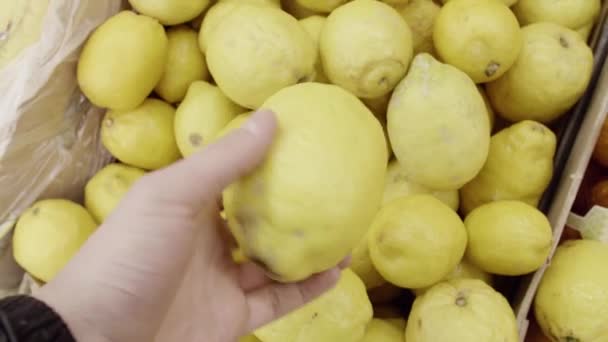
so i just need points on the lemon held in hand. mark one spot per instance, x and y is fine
(49, 234)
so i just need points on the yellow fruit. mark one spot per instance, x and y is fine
(340, 314)
(379, 330)
(397, 185)
(376, 42)
(416, 241)
(397, 2)
(314, 25)
(509, 3)
(438, 125)
(549, 76)
(461, 310)
(519, 167)
(292, 215)
(508, 238)
(256, 51)
(298, 11)
(573, 14)
(249, 338)
(203, 113)
(572, 300)
(585, 31)
(106, 189)
(48, 234)
(480, 37)
(400, 323)
(20, 26)
(378, 106)
(420, 15)
(122, 61)
(274, 3)
(142, 137)
(491, 114)
(464, 270)
(362, 265)
(321, 5)
(185, 64)
(170, 12)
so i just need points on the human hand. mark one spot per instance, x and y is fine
(160, 269)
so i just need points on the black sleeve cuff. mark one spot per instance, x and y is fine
(26, 319)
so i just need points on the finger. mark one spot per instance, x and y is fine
(201, 177)
(345, 263)
(251, 276)
(273, 301)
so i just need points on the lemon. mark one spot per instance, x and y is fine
(420, 15)
(573, 14)
(298, 11)
(314, 25)
(466, 270)
(249, 338)
(21, 23)
(379, 330)
(585, 31)
(340, 314)
(142, 137)
(274, 3)
(295, 217)
(572, 301)
(399, 323)
(256, 51)
(486, 100)
(185, 64)
(397, 185)
(203, 113)
(438, 125)
(106, 189)
(388, 312)
(376, 42)
(416, 241)
(321, 5)
(508, 238)
(378, 106)
(461, 310)
(170, 12)
(49, 234)
(509, 3)
(519, 167)
(361, 264)
(397, 2)
(549, 76)
(122, 61)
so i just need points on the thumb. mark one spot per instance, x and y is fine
(201, 178)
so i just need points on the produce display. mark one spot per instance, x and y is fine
(416, 136)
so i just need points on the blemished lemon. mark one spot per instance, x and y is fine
(201, 115)
(104, 191)
(314, 25)
(461, 310)
(572, 299)
(294, 217)
(508, 238)
(420, 16)
(171, 12)
(519, 167)
(185, 64)
(376, 42)
(321, 5)
(466, 270)
(341, 314)
(142, 137)
(480, 37)
(255, 51)
(416, 241)
(438, 125)
(49, 234)
(551, 73)
(379, 330)
(122, 61)
(573, 14)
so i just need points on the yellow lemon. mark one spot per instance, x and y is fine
(465, 270)
(361, 264)
(256, 51)
(506, 2)
(249, 338)
(397, 185)
(480, 37)
(379, 330)
(185, 64)
(106, 189)
(321, 5)
(378, 106)
(274, 3)
(486, 100)
(573, 14)
(399, 323)
(462, 310)
(420, 15)
(572, 299)
(294, 8)
(585, 31)
(376, 42)
(314, 25)
(438, 125)
(549, 76)
(416, 241)
(295, 217)
(508, 238)
(20, 26)
(203, 113)
(122, 61)
(142, 137)
(519, 167)
(49, 234)
(170, 12)
(340, 314)
(397, 2)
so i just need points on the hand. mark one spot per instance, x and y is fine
(160, 269)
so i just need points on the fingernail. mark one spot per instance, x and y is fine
(252, 124)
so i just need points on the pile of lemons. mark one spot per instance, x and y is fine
(414, 135)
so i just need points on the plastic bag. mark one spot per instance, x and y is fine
(49, 132)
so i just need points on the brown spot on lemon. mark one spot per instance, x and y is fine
(563, 42)
(195, 139)
(461, 299)
(492, 68)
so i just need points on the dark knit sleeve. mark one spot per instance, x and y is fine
(26, 319)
